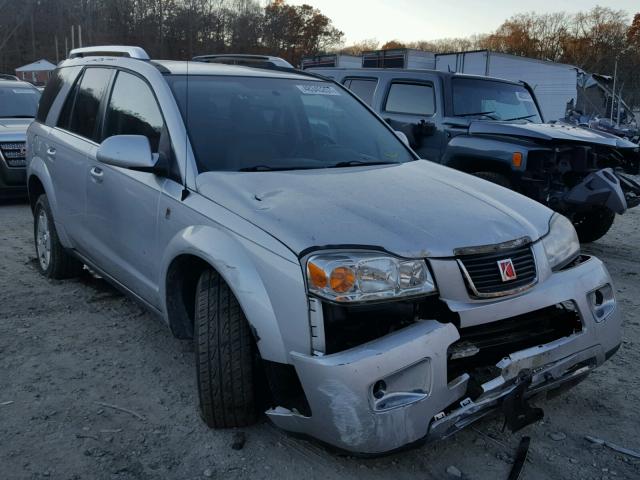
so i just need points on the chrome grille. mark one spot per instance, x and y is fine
(483, 274)
(14, 153)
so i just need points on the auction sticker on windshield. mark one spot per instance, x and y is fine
(318, 89)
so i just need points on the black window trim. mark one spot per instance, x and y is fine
(410, 81)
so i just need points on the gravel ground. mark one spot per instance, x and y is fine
(68, 349)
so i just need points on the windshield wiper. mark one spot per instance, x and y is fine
(359, 163)
(525, 117)
(475, 113)
(16, 116)
(267, 168)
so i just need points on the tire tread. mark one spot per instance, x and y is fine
(224, 355)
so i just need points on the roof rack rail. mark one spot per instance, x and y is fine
(244, 59)
(110, 51)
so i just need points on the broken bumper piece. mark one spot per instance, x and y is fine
(392, 392)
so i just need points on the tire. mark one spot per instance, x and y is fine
(593, 224)
(225, 355)
(54, 261)
(494, 177)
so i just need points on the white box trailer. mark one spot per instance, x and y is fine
(332, 60)
(555, 84)
(399, 58)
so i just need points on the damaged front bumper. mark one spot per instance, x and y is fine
(395, 391)
(606, 188)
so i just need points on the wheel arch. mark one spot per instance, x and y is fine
(39, 182)
(196, 248)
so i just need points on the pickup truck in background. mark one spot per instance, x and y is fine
(494, 129)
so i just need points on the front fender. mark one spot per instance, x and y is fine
(471, 153)
(269, 288)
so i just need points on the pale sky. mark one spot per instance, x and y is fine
(409, 20)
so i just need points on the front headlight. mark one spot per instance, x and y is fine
(561, 243)
(363, 276)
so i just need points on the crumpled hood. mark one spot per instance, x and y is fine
(553, 132)
(415, 209)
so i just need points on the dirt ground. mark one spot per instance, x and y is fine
(68, 347)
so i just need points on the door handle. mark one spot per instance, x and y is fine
(97, 174)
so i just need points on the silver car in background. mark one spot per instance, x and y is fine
(327, 276)
(18, 106)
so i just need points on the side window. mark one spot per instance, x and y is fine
(133, 110)
(49, 95)
(362, 87)
(80, 112)
(411, 98)
(62, 77)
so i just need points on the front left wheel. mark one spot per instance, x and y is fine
(593, 224)
(54, 261)
(225, 355)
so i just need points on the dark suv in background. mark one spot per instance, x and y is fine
(494, 129)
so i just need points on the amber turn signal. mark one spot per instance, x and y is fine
(317, 277)
(342, 279)
(516, 159)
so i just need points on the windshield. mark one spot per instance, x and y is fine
(493, 100)
(18, 102)
(252, 123)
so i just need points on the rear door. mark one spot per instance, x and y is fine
(122, 204)
(412, 106)
(69, 146)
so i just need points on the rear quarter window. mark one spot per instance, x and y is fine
(364, 88)
(61, 78)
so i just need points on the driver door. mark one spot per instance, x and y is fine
(122, 204)
(411, 107)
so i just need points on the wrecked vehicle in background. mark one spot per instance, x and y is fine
(628, 131)
(494, 129)
(370, 298)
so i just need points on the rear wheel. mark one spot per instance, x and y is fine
(593, 224)
(224, 355)
(494, 177)
(54, 261)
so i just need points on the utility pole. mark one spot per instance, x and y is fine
(80, 35)
(613, 90)
(55, 39)
(33, 37)
(66, 48)
(619, 104)
(73, 45)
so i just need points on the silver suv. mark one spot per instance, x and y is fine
(327, 275)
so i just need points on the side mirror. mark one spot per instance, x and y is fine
(127, 151)
(403, 137)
